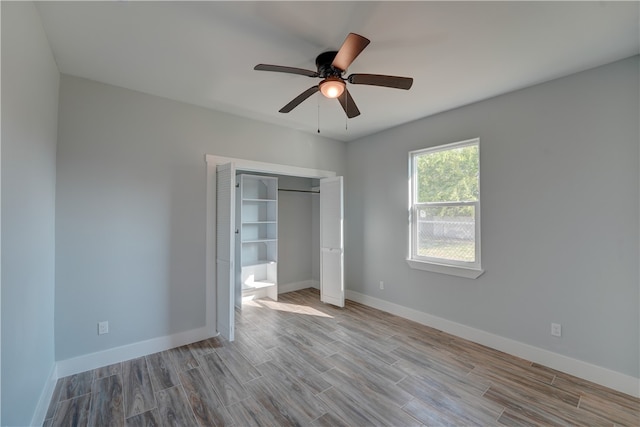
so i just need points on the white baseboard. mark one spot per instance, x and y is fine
(131, 351)
(597, 374)
(45, 398)
(296, 286)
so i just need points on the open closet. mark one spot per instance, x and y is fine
(277, 235)
(271, 229)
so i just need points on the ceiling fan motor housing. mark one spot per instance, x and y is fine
(325, 69)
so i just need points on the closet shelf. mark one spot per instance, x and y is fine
(258, 222)
(259, 200)
(259, 241)
(253, 263)
(256, 285)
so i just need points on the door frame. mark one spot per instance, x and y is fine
(210, 248)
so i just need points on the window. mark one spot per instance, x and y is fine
(445, 209)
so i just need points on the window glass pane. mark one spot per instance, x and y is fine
(448, 175)
(446, 232)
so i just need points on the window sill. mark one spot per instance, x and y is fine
(469, 273)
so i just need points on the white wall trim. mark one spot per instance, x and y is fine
(273, 168)
(296, 286)
(45, 397)
(210, 249)
(110, 356)
(597, 374)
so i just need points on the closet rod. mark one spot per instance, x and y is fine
(298, 191)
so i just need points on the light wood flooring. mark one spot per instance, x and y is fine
(300, 362)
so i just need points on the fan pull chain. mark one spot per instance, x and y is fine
(318, 98)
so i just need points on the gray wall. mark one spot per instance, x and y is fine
(560, 188)
(130, 213)
(295, 229)
(30, 81)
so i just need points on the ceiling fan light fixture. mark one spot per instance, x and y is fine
(332, 87)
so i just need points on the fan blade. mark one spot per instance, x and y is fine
(350, 49)
(283, 69)
(298, 99)
(381, 80)
(348, 105)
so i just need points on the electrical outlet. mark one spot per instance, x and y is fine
(103, 328)
(556, 329)
(381, 284)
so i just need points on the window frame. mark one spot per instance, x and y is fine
(470, 270)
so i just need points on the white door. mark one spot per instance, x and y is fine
(225, 249)
(331, 242)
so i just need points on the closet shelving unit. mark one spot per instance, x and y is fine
(257, 216)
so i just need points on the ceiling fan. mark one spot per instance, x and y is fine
(332, 66)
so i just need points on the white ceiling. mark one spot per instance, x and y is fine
(203, 53)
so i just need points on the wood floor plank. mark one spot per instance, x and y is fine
(226, 385)
(247, 347)
(478, 354)
(538, 410)
(452, 401)
(611, 410)
(329, 420)
(578, 385)
(288, 400)
(362, 363)
(55, 398)
(173, 408)
(76, 385)
(365, 318)
(511, 419)
(466, 347)
(364, 349)
(250, 413)
(317, 318)
(345, 376)
(513, 381)
(429, 364)
(205, 346)
(266, 338)
(308, 333)
(107, 402)
(349, 336)
(475, 385)
(138, 391)
(361, 330)
(300, 368)
(206, 405)
(438, 354)
(73, 412)
(316, 359)
(431, 415)
(431, 338)
(239, 366)
(146, 419)
(161, 371)
(363, 410)
(107, 371)
(183, 358)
